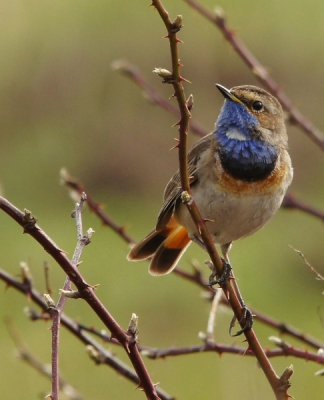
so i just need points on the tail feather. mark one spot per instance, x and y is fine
(169, 252)
(165, 247)
(146, 247)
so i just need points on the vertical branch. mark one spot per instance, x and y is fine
(82, 241)
(176, 80)
(55, 329)
(231, 292)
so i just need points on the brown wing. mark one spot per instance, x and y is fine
(173, 189)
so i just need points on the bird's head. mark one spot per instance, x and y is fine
(250, 132)
(255, 113)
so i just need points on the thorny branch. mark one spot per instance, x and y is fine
(103, 356)
(29, 223)
(28, 357)
(86, 292)
(196, 277)
(231, 290)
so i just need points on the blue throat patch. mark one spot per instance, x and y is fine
(243, 154)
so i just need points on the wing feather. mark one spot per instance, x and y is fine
(173, 189)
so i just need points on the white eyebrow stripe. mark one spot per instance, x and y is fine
(234, 133)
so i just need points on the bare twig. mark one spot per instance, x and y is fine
(210, 346)
(291, 202)
(28, 222)
(55, 314)
(285, 349)
(309, 265)
(76, 189)
(78, 329)
(47, 280)
(56, 310)
(107, 357)
(262, 74)
(212, 315)
(45, 369)
(82, 241)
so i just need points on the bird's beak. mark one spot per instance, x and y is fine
(227, 94)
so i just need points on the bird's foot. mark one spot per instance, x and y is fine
(223, 280)
(247, 318)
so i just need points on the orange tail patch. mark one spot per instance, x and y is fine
(166, 247)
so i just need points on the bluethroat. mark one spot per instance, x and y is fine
(239, 174)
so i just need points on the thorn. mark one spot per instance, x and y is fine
(166, 37)
(174, 147)
(179, 63)
(127, 348)
(176, 124)
(184, 80)
(206, 219)
(173, 95)
(179, 41)
(63, 251)
(139, 387)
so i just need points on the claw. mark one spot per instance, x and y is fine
(223, 280)
(247, 317)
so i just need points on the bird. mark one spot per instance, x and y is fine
(238, 173)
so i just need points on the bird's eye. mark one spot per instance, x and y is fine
(257, 106)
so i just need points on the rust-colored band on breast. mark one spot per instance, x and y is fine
(265, 186)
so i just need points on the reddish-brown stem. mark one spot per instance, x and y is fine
(56, 321)
(290, 201)
(79, 330)
(28, 222)
(106, 357)
(76, 187)
(231, 290)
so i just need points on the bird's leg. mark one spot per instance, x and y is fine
(227, 268)
(224, 278)
(247, 315)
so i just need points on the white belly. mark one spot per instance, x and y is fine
(232, 217)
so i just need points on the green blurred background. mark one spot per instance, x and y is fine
(61, 105)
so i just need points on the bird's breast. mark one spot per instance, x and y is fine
(235, 208)
(239, 188)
